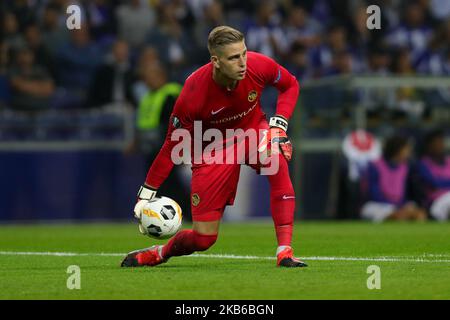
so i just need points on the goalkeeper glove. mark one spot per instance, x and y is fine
(145, 194)
(277, 135)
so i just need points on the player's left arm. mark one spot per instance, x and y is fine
(163, 164)
(288, 91)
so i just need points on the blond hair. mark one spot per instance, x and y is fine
(221, 36)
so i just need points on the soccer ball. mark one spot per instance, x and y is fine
(160, 218)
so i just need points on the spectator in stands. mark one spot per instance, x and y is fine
(102, 19)
(77, 61)
(213, 16)
(33, 38)
(155, 107)
(361, 34)
(434, 59)
(322, 10)
(413, 32)
(175, 47)
(322, 55)
(301, 28)
(445, 67)
(11, 33)
(32, 86)
(264, 34)
(246, 7)
(23, 11)
(342, 63)
(378, 61)
(407, 99)
(425, 6)
(440, 9)
(135, 19)
(149, 56)
(4, 85)
(386, 183)
(445, 71)
(434, 172)
(183, 14)
(378, 100)
(54, 33)
(298, 63)
(112, 81)
(390, 14)
(362, 39)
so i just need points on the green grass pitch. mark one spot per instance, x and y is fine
(414, 260)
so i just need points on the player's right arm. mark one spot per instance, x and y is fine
(161, 167)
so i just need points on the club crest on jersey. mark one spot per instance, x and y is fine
(252, 95)
(195, 199)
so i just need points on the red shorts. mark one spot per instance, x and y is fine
(214, 186)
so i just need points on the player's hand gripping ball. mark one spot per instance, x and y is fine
(159, 218)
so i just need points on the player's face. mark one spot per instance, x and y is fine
(231, 60)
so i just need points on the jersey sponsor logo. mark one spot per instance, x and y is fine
(195, 199)
(213, 112)
(212, 146)
(252, 95)
(236, 116)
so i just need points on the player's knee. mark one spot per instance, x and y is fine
(204, 241)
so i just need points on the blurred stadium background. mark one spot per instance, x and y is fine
(83, 112)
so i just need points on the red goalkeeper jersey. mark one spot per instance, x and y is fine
(202, 99)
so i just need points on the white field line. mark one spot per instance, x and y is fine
(232, 256)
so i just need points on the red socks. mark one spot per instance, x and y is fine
(282, 203)
(186, 242)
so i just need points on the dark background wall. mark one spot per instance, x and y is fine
(89, 185)
(68, 185)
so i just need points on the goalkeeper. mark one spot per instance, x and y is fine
(225, 94)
